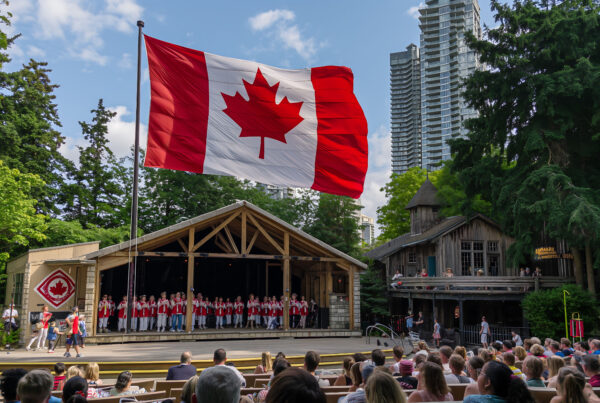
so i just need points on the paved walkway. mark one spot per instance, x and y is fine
(201, 350)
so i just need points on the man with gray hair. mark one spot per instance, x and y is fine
(217, 385)
(35, 387)
(184, 371)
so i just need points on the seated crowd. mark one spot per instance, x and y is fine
(500, 373)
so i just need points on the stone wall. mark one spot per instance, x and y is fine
(338, 311)
(356, 300)
(90, 298)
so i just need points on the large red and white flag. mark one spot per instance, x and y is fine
(217, 115)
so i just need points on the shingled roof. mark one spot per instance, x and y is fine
(425, 196)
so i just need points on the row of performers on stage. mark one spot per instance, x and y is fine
(162, 314)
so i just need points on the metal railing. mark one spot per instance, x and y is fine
(471, 336)
(479, 284)
(388, 334)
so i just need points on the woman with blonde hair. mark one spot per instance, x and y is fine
(383, 388)
(345, 379)
(571, 388)
(92, 374)
(266, 364)
(189, 388)
(432, 385)
(555, 363)
(423, 349)
(520, 353)
(460, 350)
(74, 370)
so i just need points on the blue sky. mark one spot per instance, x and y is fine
(91, 48)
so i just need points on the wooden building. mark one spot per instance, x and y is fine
(236, 250)
(474, 249)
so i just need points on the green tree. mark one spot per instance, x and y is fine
(373, 298)
(20, 224)
(335, 222)
(61, 232)
(532, 151)
(95, 195)
(545, 312)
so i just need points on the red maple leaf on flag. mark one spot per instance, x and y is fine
(261, 116)
(58, 289)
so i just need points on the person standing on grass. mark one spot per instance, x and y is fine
(484, 332)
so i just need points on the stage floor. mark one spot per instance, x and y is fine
(201, 350)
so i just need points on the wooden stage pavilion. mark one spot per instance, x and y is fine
(236, 250)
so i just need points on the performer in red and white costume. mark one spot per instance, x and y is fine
(280, 308)
(163, 311)
(177, 311)
(135, 313)
(122, 313)
(196, 310)
(203, 313)
(103, 313)
(250, 307)
(294, 311)
(144, 309)
(113, 307)
(219, 313)
(264, 311)
(171, 313)
(238, 309)
(228, 312)
(153, 312)
(273, 311)
(303, 312)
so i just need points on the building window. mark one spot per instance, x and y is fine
(492, 246)
(478, 260)
(477, 245)
(465, 245)
(472, 258)
(18, 289)
(412, 257)
(465, 263)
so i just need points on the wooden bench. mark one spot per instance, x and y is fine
(251, 378)
(542, 395)
(141, 396)
(147, 384)
(458, 391)
(168, 385)
(176, 394)
(333, 397)
(332, 389)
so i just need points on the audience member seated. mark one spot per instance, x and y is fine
(359, 357)
(92, 374)
(382, 388)
(520, 353)
(217, 384)
(75, 390)
(537, 351)
(279, 366)
(398, 353)
(358, 396)
(406, 380)
(419, 360)
(294, 385)
(35, 387)
(59, 376)
(507, 346)
(435, 358)
(445, 353)
(188, 389)
(457, 365)
(345, 379)
(571, 388)
(460, 350)
(497, 384)
(591, 368)
(378, 358)
(356, 376)
(595, 346)
(533, 367)
(123, 386)
(220, 358)
(184, 371)
(565, 345)
(311, 362)
(555, 363)
(485, 355)
(74, 370)
(8, 384)
(423, 349)
(432, 385)
(266, 364)
(509, 359)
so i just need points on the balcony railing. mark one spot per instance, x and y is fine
(477, 284)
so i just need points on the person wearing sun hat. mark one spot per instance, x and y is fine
(407, 381)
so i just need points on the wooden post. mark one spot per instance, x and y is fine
(461, 323)
(190, 282)
(244, 226)
(286, 281)
(267, 278)
(351, 296)
(97, 299)
(329, 283)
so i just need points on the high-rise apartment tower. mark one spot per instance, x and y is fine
(405, 83)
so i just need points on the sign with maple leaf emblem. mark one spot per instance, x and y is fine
(57, 288)
(260, 116)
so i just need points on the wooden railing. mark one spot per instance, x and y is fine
(478, 283)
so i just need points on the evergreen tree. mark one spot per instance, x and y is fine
(373, 298)
(532, 151)
(95, 196)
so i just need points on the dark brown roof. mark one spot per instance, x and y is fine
(425, 196)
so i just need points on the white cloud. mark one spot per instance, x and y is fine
(265, 20)
(379, 172)
(121, 136)
(126, 62)
(414, 11)
(34, 51)
(278, 24)
(79, 24)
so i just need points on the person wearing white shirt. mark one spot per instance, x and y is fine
(219, 359)
(9, 317)
(457, 365)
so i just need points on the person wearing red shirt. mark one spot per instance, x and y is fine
(135, 313)
(73, 332)
(238, 309)
(280, 308)
(272, 313)
(303, 312)
(264, 312)
(171, 313)
(112, 305)
(219, 313)
(162, 307)
(153, 312)
(195, 310)
(250, 307)
(294, 311)
(122, 314)
(178, 312)
(45, 319)
(228, 312)
(203, 313)
(144, 314)
(103, 314)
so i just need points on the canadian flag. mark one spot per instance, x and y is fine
(217, 115)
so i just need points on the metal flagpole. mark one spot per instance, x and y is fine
(134, 199)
